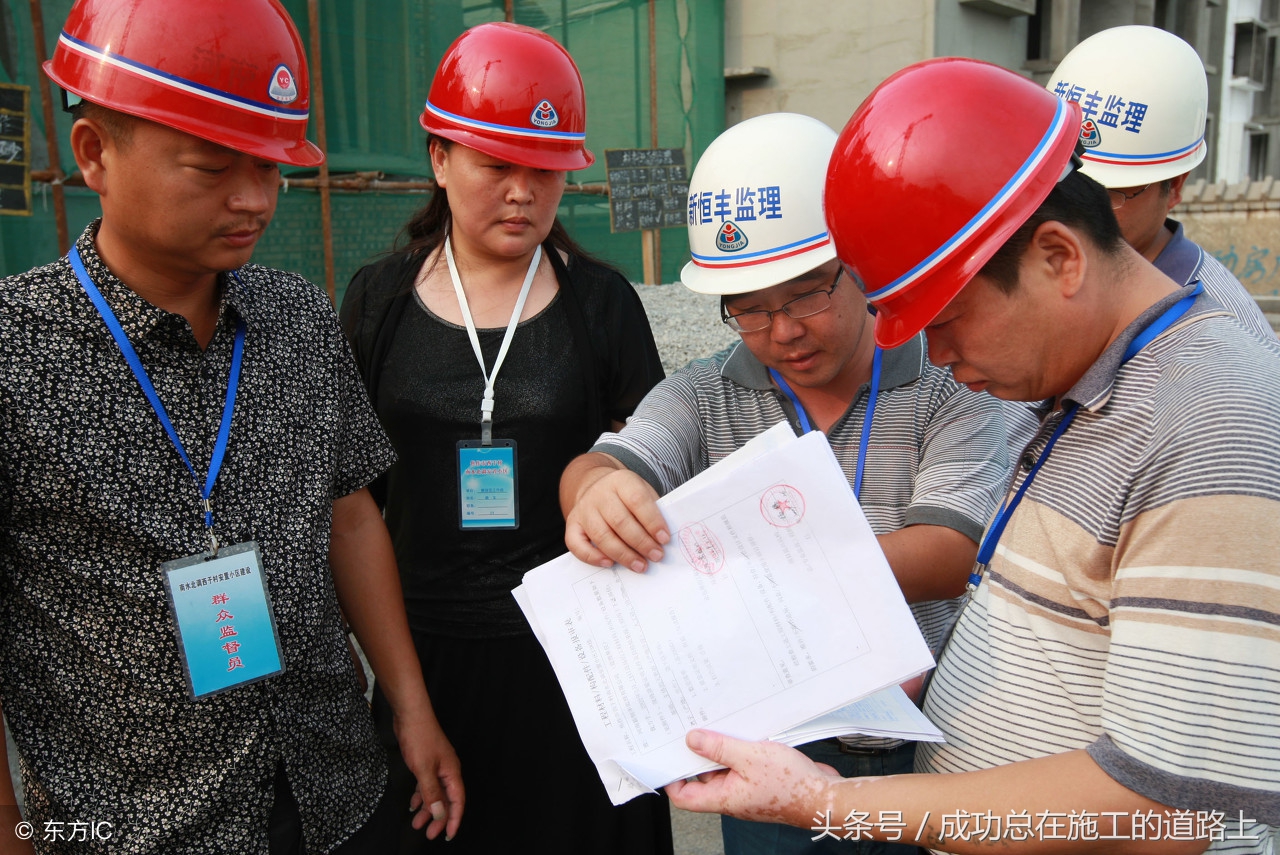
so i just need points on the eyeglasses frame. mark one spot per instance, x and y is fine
(733, 322)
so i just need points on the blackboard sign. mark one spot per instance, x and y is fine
(648, 188)
(15, 148)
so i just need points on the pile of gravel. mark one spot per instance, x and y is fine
(685, 325)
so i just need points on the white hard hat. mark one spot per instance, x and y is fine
(1144, 97)
(755, 205)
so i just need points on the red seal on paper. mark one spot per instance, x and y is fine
(701, 549)
(782, 505)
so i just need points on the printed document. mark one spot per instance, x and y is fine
(773, 606)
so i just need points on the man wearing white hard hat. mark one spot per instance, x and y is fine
(935, 459)
(1110, 685)
(1143, 97)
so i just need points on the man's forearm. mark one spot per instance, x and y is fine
(930, 562)
(1066, 803)
(367, 584)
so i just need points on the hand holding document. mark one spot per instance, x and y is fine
(773, 606)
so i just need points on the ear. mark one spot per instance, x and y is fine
(1175, 189)
(1057, 255)
(439, 162)
(91, 146)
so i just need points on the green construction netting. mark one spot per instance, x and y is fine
(377, 62)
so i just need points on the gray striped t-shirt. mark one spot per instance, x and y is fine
(936, 454)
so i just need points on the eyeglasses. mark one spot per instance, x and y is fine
(1119, 197)
(804, 306)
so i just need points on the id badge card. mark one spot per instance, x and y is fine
(487, 482)
(223, 619)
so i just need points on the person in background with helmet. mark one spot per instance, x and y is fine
(1111, 684)
(495, 350)
(183, 458)
(1144, 97)
(925, 457)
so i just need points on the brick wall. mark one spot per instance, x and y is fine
(1240, 225)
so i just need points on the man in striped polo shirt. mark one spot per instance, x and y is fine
(1112, 684)
(1145, 162)
(935, 463)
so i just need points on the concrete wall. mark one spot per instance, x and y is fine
(1099, 15)
(823, 56)
(963, 30)
(1240, 225)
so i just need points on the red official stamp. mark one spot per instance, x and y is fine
(701, 549)
(782, 505)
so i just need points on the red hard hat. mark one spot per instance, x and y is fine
(232, 72)
(932, 174)
(513, 93)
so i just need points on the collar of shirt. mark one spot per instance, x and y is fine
(1180, 258)
(901, 365)
(1093, 389)
(138, 317)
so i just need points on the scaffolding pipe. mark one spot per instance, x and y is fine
(654, 235)
(354, 182)
(50, 131)
(317, 87)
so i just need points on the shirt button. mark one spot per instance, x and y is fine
(1027, 462)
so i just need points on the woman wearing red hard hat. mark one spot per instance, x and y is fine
(181, 537)
(495, 350)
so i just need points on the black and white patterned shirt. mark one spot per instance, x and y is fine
(94, 497)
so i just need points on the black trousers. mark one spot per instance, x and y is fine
(375, 837)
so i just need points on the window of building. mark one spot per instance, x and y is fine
(1258, 147)
(1250, 60)
(1036, 46)
(1268, 105)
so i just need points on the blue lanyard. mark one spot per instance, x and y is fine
(988, 548)
(131, 356)
(806, 426)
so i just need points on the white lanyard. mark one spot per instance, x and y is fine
(486, 405)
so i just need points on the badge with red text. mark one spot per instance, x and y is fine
(223, 620)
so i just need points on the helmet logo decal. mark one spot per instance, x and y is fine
(544, 115)
(1090, 136)
(730, 238)
(283, 88)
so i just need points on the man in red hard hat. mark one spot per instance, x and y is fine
(185, 448)
(1111, 683)
(924, 456)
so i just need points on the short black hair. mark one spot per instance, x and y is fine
(1077, 202)
(118, 125)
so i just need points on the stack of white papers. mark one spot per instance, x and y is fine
(889, 713)
(772, 608)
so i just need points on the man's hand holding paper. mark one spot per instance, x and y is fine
(772, 605)
(614, 519)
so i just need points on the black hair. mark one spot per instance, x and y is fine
(118, 125)
(1076, 201)
(428, 226)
